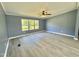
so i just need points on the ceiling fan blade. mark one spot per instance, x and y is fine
(48, 14)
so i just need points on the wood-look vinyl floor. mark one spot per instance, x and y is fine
(44, 45)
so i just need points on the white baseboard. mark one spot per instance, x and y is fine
(35, 32)
(64, 35)
(24, 35)
(5, 54)
(17, 36)
(61, 34)
(75, 38)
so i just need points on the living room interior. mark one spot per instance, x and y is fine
(39, 29)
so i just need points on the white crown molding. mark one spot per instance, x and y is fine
(3, 8)
(55, 14)
(60, 13)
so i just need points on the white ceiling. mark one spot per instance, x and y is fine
(34, 8)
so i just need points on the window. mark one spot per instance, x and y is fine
(29, 24)
(24, 25)
(36, 24)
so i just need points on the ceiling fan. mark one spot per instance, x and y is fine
(45, 13)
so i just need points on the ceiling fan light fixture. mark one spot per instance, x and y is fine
(44, 12)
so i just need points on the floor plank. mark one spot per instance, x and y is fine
(44, 45)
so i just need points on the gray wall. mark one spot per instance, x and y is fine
(3, 32)
(64, 23)
(14, 25)
(77, 24)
